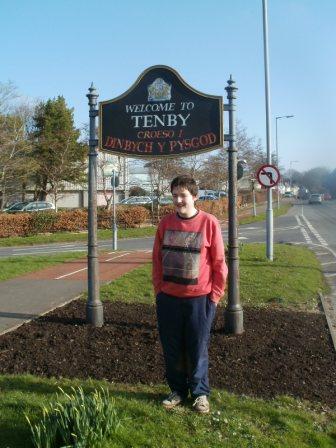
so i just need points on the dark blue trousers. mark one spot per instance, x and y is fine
(184, 328)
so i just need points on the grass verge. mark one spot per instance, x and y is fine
(14, 266)
(234, 421)
(293, 279)
(62, 237)
(262, 216)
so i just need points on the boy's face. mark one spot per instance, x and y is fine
(184, 202)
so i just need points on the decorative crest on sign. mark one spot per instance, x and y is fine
(159, 90)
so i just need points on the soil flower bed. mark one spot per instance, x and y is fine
(282, 352)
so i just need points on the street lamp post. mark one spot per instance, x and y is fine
(269, 209)
(276, 146)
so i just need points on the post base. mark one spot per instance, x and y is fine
(234, 322)
(95, 315)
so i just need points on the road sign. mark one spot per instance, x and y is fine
(268, 176)
(161, 116)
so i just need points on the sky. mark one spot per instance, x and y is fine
(52, 48)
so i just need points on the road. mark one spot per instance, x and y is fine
(311, 224)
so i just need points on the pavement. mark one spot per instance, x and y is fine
(31, 295)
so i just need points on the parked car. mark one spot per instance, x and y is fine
(315, 198)
(221, 194)
(136, 200)
(16, 207)
(36, 206)
(288, 194)
(165, 201)
(327, 197)
(207, 197)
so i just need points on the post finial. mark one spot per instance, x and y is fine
(231, 88)
(92, 95)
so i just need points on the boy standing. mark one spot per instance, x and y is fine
(189, 275)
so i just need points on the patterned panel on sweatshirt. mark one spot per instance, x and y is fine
(181, 256)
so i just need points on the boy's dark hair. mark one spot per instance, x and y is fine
(186, 182)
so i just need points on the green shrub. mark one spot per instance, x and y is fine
(76, 421)
(41, 222)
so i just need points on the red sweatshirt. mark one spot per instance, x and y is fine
(188, 257)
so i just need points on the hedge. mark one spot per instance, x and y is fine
(23, 224)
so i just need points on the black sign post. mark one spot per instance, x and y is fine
(114, 183)
(161, 116)
(233, 315)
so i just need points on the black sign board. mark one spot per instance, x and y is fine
(161, 115)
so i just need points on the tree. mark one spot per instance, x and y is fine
(215, 171)
(161, 172)
(8, 94)
(60, 156)
(330, 183)
(315, 179)
(137, 191)
(16, 162)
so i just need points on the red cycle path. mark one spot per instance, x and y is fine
(111, 266)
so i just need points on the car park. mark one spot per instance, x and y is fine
(136, 200)
(27, 207)
(315, 198)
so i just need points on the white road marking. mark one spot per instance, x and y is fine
(25, 248)
(306, 236)
(37, 248)
(286, 228)
(298, 219)
(322, 253)
(242, 238)
(331, 274)
(84, 269)
(303, 230)
(110, 253)
(118, 256)
(328, 262)
(314, 232)
(313, 245)
(47, 252)
(70, 273)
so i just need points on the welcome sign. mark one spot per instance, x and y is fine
(161, 115)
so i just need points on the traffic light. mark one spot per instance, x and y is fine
(240, 168)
